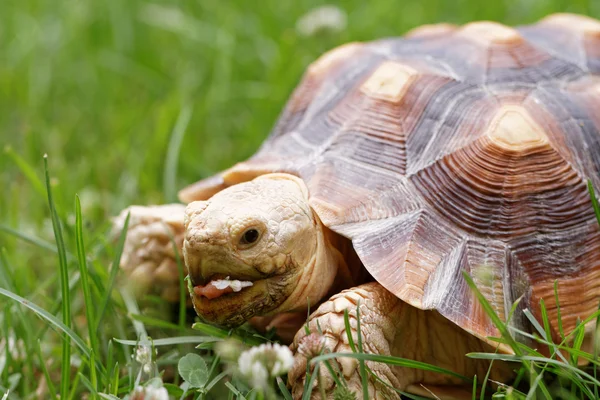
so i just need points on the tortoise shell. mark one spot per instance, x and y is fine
(454, 149)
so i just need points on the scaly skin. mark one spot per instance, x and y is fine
(149, 257)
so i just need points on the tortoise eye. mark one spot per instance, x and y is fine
(250, 237)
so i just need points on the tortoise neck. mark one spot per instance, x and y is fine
(350, 270)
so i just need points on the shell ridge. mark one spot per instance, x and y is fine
(436, 131)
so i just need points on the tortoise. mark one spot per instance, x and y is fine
(396, 166)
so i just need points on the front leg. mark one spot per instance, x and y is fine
(377, 311)
(390, 327)
(149, 258)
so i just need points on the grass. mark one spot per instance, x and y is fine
(132, 100)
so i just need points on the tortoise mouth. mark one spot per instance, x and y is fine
(231, 308)
(218, 287)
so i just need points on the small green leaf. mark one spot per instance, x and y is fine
(173, 390)
(192, 369)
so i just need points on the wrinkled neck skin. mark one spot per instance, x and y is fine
(332, 268)
(327, 272)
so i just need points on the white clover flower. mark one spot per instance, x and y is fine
(259, 377)
(323, 18)
(263, 362)
(312, 345)
(149, 393)
(143, 354)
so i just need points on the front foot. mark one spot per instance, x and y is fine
(332, 338)
(149, 258)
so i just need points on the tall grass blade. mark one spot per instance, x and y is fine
(64, 285)
(361, 363)
(595, 352)
(49, 383)
(172, 158)
(172, 341)
(234, 390)
(284, 390)
(558, 312)
(6, 278)
(183, 288)
(150, 321)
(594, 200)
(395, 361)
(113, 273)
(492, 314)
(223, 334)
(55, 322)
(516, 358)
(87, 295)
(133, 309)
(310, 383)
(349, 331)
(27, 170)
(28, 238)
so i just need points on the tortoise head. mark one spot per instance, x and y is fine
(256, 248)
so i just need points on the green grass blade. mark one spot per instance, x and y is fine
(215, 380)
(75, 383)
(113, 274)
(159, 323)
(27, 170)
(223, 334)
(310, 383)
(55, 322)
(361, 363)
(595, 352)
(391, 360)
(6, 278)
(515, 358)
(28, 238)
(64, 285)
(172, 341)
(115, 380)
(87, 295)
(133, 309)
(400, 392)
(594, 200)
(183, 287)
(234, 390)
(531, 395)
(578, 341)
(172, 157)
(335, 375)
(284, 390)
(89, 385)
(49, 383)
(492, 314)
(349, 331)
(558, 312)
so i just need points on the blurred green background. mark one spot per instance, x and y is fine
(102, 86)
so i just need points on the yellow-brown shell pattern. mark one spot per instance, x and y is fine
(455, 149)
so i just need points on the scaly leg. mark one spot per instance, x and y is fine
(390, 327)
(149, 257)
